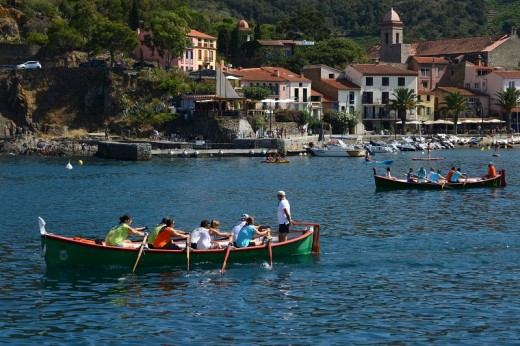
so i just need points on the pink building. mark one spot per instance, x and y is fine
(200, 55)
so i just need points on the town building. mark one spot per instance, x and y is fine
(201, 54)
(377, 84)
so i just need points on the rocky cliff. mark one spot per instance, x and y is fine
(59, 99)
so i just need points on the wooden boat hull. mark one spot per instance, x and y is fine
(385, 183)
(59, 251)
(356, 153)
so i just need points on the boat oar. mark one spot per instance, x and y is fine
(143, 244)
(188, 248)
(270, 247)
(227, 254)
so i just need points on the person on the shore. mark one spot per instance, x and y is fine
(239, 226)
(164, 238)
(246, 234)
(284, 216)
(367, 156)
(118, 234)
(492, 172)
(155, 231)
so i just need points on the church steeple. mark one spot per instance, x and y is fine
(391, 29)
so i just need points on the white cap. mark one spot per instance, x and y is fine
(281, 193)
(244, 217)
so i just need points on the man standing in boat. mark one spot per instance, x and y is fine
(284, 216)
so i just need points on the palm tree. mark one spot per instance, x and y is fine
(456, 103)
(507, 100)
(404, 99)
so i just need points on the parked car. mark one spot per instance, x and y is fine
(29, 64)
(142, 64)
(94, 63)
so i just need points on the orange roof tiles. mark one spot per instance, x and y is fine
(341, 84)
(269, 74)
(198, 34)
(455, 45)
(428, 60)
(508, 74)
(462, 91)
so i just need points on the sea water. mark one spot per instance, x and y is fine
(401, 267)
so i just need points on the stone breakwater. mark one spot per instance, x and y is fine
(61, 147)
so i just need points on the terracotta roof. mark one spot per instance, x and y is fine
(198, 34)
(340, 84)
(380, 69)
(269, 74)
(462, 91)
(508, 74)
(456, 46)
(429, 60)
(316, 93)
(276, 42)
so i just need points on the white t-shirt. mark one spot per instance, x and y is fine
(283, 204)
(195, 234)
(237, 229)
(204, 241)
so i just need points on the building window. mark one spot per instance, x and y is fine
(436, 72)
(385, 81)
(397, 38)
(351, 98)
(425, 72)
(331, 75)
(368, 97)
(428, 111)
(400, 81)
(428, 98)
(418, 97)
(467, 85)
(424, 84)
(512, 84)
(386, 38)
(296, 94)
(369, 81)
(385, 97)
(477, 85)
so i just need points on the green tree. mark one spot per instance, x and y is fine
(168, 35)
(307, 24)
(256, 93)
(507, 100)
(455, 103)
(62, 37)
(115, 37)
(404, 100)
(84, 20)
(134, 20)
(334, 52)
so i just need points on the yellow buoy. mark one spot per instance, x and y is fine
(80, 162)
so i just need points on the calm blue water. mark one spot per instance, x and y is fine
(402, 267)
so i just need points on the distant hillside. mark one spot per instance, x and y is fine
(424, 20)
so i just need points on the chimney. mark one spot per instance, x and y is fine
(276, 73)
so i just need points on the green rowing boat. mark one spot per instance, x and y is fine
(60, 251)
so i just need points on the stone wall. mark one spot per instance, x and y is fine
(125, 151)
